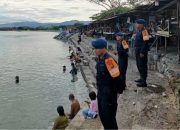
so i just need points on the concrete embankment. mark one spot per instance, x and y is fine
(88, 73)
(149, 108)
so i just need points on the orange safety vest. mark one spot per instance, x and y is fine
(145, 35)
(112, 67)
(124, 44)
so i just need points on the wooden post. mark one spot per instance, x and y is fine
(178, 31)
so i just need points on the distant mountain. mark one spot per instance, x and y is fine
(37, 24)
(72, 22)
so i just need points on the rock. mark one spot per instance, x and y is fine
(154, 86)
(134, 103)
(85, 62)
(156, 106)
(164, 94)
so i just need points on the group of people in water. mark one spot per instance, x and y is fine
(75, 60)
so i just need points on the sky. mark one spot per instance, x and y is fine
(46, 10)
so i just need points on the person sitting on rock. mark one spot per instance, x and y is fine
(61, 122)
(92, 110)
(75, 106)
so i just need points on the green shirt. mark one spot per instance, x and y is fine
(61, 122)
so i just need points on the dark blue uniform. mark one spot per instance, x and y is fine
(108, 89)
(141, 46)
(122, 61)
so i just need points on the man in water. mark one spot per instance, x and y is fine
(64, 68)
(74, 73)
(17, 79)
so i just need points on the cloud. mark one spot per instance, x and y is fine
(46, 10)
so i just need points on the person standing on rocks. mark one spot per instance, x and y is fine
(108, 85)
(141, 51)
(122, 50)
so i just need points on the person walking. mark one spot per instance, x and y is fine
(74, 73)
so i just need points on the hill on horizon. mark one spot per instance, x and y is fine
(38, 24)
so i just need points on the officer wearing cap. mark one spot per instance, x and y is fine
(141, 50)
(122, 49)
(108, 84)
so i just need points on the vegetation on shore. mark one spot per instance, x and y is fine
(54, 28)
(109, 13)
(114, 7)
(41, 28)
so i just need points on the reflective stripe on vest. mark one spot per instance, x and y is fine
(112, 67)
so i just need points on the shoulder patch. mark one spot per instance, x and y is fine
(112, 67)
(145, 35)
(125, 45)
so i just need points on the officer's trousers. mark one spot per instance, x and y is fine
(107, 112)
(142, 66)
(123, 64)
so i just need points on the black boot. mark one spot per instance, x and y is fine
(138, 80)
(142, 83)
(124, 88)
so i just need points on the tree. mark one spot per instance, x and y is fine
(108, 4)
(112, 4)
(135, 3)
(108, 13)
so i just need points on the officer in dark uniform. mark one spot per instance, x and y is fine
(122, 50)
(108, 85)
(141, 50)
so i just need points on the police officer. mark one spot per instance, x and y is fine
(122, 49)
(108, 85)
(141, 50)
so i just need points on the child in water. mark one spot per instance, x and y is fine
(92, 110)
